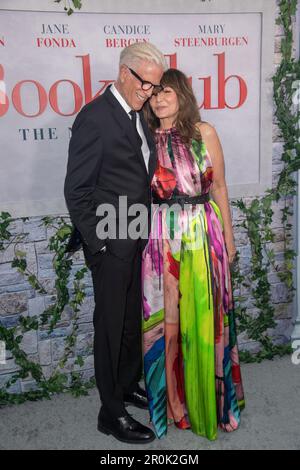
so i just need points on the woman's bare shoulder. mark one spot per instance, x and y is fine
(206, 129)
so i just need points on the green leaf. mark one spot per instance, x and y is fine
(77, 4)
(5, 215)
(20, 254)
(64, 232)
(79, 361)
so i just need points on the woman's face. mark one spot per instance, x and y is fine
(165, 106)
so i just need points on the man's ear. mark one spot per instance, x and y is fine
(123, 72)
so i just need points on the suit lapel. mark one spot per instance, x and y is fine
(151, 145)
(124, 122)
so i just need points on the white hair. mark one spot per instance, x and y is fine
(142, 51)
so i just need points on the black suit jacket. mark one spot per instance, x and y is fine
(105, 162)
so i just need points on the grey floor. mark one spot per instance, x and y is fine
(271, 419)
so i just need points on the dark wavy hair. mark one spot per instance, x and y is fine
(188, 111)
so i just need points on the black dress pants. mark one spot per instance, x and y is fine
(118, 324)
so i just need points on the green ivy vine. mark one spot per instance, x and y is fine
(257, 220)
(258, 213)
(70, 5)
(59, 380)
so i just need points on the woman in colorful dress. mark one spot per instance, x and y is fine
(191, 361)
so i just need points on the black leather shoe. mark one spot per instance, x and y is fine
(125, 429)
(137, 398)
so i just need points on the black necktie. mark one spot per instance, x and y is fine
(133, 120)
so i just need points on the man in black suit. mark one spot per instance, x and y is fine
(112, 154)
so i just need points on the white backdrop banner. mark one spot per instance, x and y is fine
(51, 65)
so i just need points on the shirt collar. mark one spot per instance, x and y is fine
(120, 98)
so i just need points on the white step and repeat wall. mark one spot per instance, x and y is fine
(52, 64)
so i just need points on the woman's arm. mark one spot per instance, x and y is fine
(219, 188)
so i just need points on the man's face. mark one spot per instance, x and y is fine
(131, 86)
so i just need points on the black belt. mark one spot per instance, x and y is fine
(182, 200)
